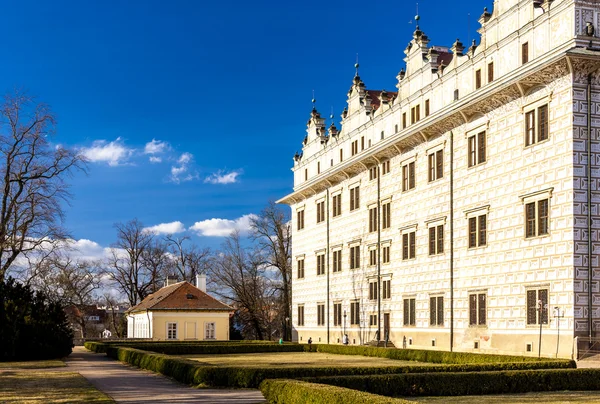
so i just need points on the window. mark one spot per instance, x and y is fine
(320, 211)
(301, 315)
(306, 174)
(436, 239)
(426, 108)
(408, 176)
(337, 314)
(456, 95)
(396, 128)
(321, 264)
(477, 79)
(536, 218)
(300, 219)
(354, 257)
(436, 310)
(385, 167)
(337, 205)
(300, 264)
(373, 257)
(386, 213)
(490, 72)
(436, 165)
(409, 312)
(386, 254)
(354, 147)
(373, 173)
(171, 330)
(209, 331)
(537, 306)
(386, 289)
(408, 245)
(477, 149)
(373, 320)
(404, 120)
(536, 125)
(382, 135)
(415, 114)
(354, 313)
(341, 155)
(320, 314)
(525, 53)
(337, 261)
(373, 290)
(354, 198)
(362, 143)
(373, 219)
(318, 167)
(477, 309)
(477, 231)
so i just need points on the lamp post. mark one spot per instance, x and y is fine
(557, 316)
(540, 309)
(344, 322)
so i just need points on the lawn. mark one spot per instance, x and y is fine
(563, 397)
(33, 364)
(29, 386)
(287, 359)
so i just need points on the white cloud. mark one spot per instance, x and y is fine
(221, 177)
(182, 171)
(166, 228)
(156, 147)
(222, 227)
(114, 153)
(154, 159)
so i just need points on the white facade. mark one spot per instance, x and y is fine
(498, 206)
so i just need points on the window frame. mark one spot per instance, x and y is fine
(337, 314)
(172, 332)
(477, 149)
(208, 330)
(354, 198)
(409, 308)
(373, 290)
(408, 176)
(355, 313)
(320, 211)
(537, 124)
(373, 219)
(477, 313)
(409, 245)
(476, 235)
(321, 314)
(337, 261)
(535, 316)
(300, 315)
(354, 257)
(435, 165)
(300, 219)
(386, 254)
(386, 215)
(386, 289)
(320, 264)
(300, 268)
(336, 205)
(436, 310)
(436, 239)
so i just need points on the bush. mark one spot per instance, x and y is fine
(196, 349)
(31, 327)
(284, 391)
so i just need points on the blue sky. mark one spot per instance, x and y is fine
(191, 111)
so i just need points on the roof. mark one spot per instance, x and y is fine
(375, 94)
(175, 297)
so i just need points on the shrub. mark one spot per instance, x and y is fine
(284, 391)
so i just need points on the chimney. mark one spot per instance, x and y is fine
(171, 280)
(201, 282)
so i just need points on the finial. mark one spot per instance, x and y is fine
(356, 66)
(313, 100)
(417, 18)
(331, 116)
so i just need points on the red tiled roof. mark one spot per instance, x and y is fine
(374, 96)
(175, 297)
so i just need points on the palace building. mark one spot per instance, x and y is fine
(460, 212)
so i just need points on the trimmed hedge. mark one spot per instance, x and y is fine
(285, 391)
(468, 383)
(197, 348)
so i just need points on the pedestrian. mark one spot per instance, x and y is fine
(309, 344)
(345, 339)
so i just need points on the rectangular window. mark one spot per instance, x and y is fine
(436, 239)
(386, 289)
(373, 173)
(318, 167)
(300, 264)
(372, 257)
(386, 254)
(354, 257)
(536, 125)
(354, 198)
(321, 264)
(337, 205)
(337, 261)
(456, 95)
(418, 112)
(354, 147)
(436, 165)
(385, 167)
(477, 79)
(477, 231)
(415, 114)
(382, 135)
(306, 174)
(300, 219)
(536, 218)
(410, 312)
(301, 315)
(171, 330)
(386, 215)
(537, 306)
(477, 309)
(408, 245)
(490, 70)
(426, 108)
(362, 143)
(209, 331)
(354, 313)
(436, 310)
(373, 290)
(373, 219)
(320, 211)
(337, 314)
(404, 120)
(477, 149)
(525, 53)
(320, 314)
(408, 176)
(373, 320)
(341, 155)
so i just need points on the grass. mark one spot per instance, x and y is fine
(563, 397)
(33, 364)
(26, 386)
(296, 359)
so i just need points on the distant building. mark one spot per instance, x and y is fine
(460, 212)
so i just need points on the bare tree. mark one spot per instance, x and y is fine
(188, 261)
(115, 320)
(271, 230)
(158, 262)
(34, 173)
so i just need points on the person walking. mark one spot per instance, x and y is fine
(345, 339)
(309, 344)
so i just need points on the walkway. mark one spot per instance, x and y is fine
(127, 384)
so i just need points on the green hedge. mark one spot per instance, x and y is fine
(468, 383)
(285, 391)
(197, 348)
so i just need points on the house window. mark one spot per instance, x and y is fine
(536, 125)
(320, 211)
(337, 261)
(373, 219)
(436, 239)
(436, 310)
(536, 218)
(337, 314)
(373, 290)
(382, 135)
(385, 167)
(354, 313)
(478, 79)
(373, 320)
(456, 95)
(171, 330)
(354, 198)
(318, 167)
(426, 108)
(341, 155)
(490, 71)
(415, 114)
(386, 254)
(354, 257)
(404, 120)
(372, 257)
(537, 306)
(321, 264)
(410, 311)
(306, 174)
(301, 315)
(300, 219)
(337, 205)
(320, 314)
(525, 53)
(477, 231)
(436, 165)
(408, 245)
(477, 149)
(362, 143)
(477, 309)
(354, 147)
(396, 128)
(209, 331)
(386, 289)
(408, 176)
(386, 215)
(373, 173)
(300, 264)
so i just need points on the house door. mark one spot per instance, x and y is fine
(386, 326)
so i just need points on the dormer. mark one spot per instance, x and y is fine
(356, 96)
(416, 52)
(316, 133)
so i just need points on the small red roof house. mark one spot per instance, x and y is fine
(180, 311)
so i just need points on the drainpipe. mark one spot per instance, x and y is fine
(451, 241)
(378, 254)
(589, 200)
(149, 324)
(327, 214)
